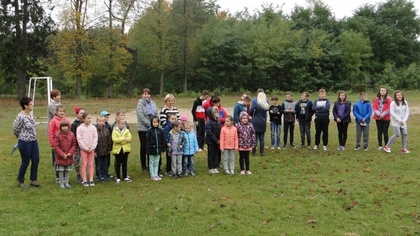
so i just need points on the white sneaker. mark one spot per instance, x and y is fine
(272, 148)
(211, 171)
(227, 172)
(248, 172)
(215, 171)
(380, 148)
(324, 148)
(316, 147)
(232, 172)
(118, 181)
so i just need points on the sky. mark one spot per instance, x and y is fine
(340, 8)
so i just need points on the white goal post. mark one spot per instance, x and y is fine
(32, 89)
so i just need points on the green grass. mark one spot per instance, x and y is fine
(291, 192)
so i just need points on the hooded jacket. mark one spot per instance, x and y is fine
(54, 127)
(228, 138)
(104, 146)
(143, 119)
(304, 110)
(321, 107)
(191, 144)
(213, 126)
(362, 109)
(246, 134)
(155, 140)
(118, 138)
(64, 143)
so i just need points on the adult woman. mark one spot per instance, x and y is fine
(24, 128)
(381, 110)
(258, 112)
(146, 108)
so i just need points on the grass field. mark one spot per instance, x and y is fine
(291, 192)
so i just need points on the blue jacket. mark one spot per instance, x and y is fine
(259, 117)
(191, 144)
(321, 107)
(237, 109)
(362, 110)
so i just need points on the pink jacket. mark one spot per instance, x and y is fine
(87, 137)
(54, 127)
(228, 138)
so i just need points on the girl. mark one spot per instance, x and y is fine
(24, 128)
(341, 113)
(87, 138)
(121, 137)
(399, 116)
(228, 145)
(54, 127)
(213, 127)
(190, 148)
(64, 148)
(246, 141)
(155, 145)
(381, 109)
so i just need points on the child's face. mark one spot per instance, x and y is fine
(101, 121)
(57, 98)
(79, 115)
(399, 96)
(228, 122)
(121, 124)
(177, 128)
(87, 120)
(106, 118)
(275, 101)
(322, 95)
(288, 97)
(342, 96)
(246, 102)
(187, 128)
(244, 119)
(172, 119)
(363, 97)
(61, 112)
(217, 104)
(303, 97)
(121, 116)
(383, 91)
(155, 123)
(65, 129)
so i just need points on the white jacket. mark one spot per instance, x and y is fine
(399, 113)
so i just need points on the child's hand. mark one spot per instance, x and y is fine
(180, 146)
(221, 150)
(169, 145)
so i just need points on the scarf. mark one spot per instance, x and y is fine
(149, 108)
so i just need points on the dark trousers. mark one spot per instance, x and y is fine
(29, 152)
(342, 133)
(259, 136)
(305, 130)
(321, 126)
(53, 163)
(244, 160)
(201, 132)
(144, 158)
(168, 163)
(121, 160)
(288, 126)
(382, 127)
(212, 158)
(102, 163)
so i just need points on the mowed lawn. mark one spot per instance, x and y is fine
(291, 191)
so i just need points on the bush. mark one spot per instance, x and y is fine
(357, 88)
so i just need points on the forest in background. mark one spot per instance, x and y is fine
(185, 46)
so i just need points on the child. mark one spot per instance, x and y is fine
(53, 128)
(120, 115)
(321, 107)
(190, 148)
(172, 117)
(304, 117)
(246, 141)
(176, 143)
(362, 110)
(87, 138)
(381, 109)
(64, 148)
(55, 96)
(199, 118)
(76, 157)
(341, 113)
(105, 115)
(228, 145)
(399, 116)
(240, 106)
(121, 138)
(213, 127)
(184, 118)
(155, 145)
(275, 111)
(289, 113)
(102, 150)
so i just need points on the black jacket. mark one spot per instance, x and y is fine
(347, 111)
(155, 141)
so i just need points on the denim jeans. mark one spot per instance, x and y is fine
(275, 134)
(153, 165)
(29, 152)
(101, 168)
(188, 163)
(259, 136)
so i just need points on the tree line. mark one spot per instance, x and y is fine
(191, 45)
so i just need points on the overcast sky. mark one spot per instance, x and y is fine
(340, 8)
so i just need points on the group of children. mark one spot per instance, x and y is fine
(387, 111)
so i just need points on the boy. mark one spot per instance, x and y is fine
(213, 127)
(103, 150)
(176, 143)
(275, 111)
(362, 110)
(168, 127)
(289, 107)
(304, 117)
(321, 107)
(199, 118)
(240, 106)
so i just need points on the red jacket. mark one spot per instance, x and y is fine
(385, 109)
(222, 112)
(229, 138)
(64, 143)
(54, 127)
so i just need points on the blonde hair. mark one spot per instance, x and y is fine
(188, 124)
(262, 101)
(168, 97)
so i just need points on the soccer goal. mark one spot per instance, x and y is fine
(32, 91)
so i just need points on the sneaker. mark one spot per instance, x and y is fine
(272, 148)
(57, 180)
(316, 147)
(62, 186)
(79, 179)
(248, 172)
(365, 149)
(91, 183)
(324, 148)
(35, 184)
(154, 178)
(85, 184)
(357, 148)
(200, 150)
(405, 150)
(128, 180)
(278, 148)
(118, 181)
(292, 146)
(67, 185)
(242, 172)
(186, 173)
(211, 171)
(22, 185)
(343, 148)
(192, 173)
(158, 178)
(227, 172)
(387, 149)
(380, 148)
(215, 171)
(232, 172)
(339, 148)
(169, 173)
(284, 147)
